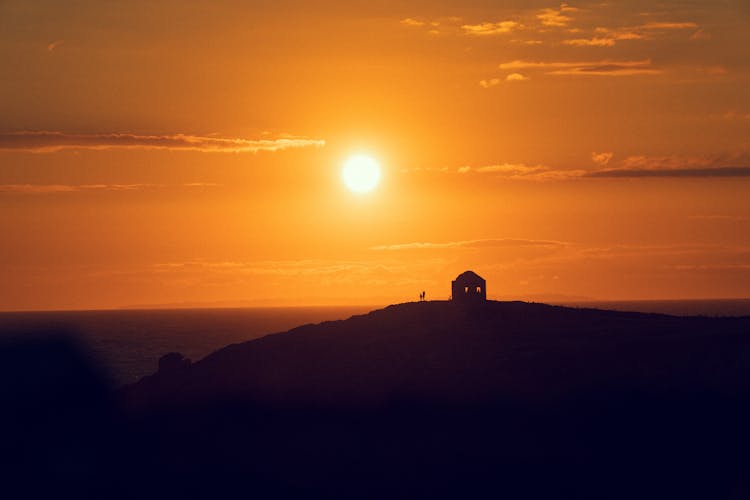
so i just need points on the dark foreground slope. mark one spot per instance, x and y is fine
(426, 400)
(436, 353)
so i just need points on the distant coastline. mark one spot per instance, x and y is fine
(677, 307)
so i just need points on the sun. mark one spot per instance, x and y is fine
(361, 173)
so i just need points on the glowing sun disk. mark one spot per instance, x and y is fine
(361, 173)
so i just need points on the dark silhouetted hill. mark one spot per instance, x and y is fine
(421, 400)
(434, 352)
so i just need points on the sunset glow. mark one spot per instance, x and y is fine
(169, 152)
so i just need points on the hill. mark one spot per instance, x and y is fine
(431, 400)
(418, 400)
(435, 352)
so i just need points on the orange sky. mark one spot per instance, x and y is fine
(156, 152)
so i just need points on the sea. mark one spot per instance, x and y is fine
(127, 344)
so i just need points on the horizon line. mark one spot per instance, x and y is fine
(207, 306)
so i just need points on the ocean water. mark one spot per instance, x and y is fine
(129, 343)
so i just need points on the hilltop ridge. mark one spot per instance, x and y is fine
(437, 351)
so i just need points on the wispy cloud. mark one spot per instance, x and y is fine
(528, 42)
(494, 28)
(608, 37)
(68, 188)
(520, 171)
(608, 70)
(672, 172)
(40, 189)
(431, 25)
(590, 42)
(557, 17)
(512, 77)
(618, 34)
(602, 158)
(587, 68)
(413, 22)
(516, 77)
(481, 243)
(668, 162)
(668, 26)
(53, 45)
(717, 166)
(47, 142)
(491, 82)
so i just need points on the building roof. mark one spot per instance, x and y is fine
(469, 275)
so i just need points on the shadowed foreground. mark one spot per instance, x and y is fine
(415, 400)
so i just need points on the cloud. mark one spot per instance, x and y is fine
(590, 42)
(520, 171)
(481, 243)
(492, 82)
(518, 64)
(668, 162)
(617, 34)
(718, 166)
(201, 184)
(672, 172)
(610, 36)
(77, 188)
(412, 22)
(528, 42)
(53, 45)
(496, 28)
(516, 77)
(47, 142)
(489, 83)
(556, 17)
(68, 188)
(608, 70)
(592, 68)
(641, 166)
(601, 158)
(668, 26)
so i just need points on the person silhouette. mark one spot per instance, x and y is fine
(424, 294)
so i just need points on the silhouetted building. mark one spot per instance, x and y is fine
(469, 288)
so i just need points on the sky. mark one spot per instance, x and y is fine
(167, 152)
